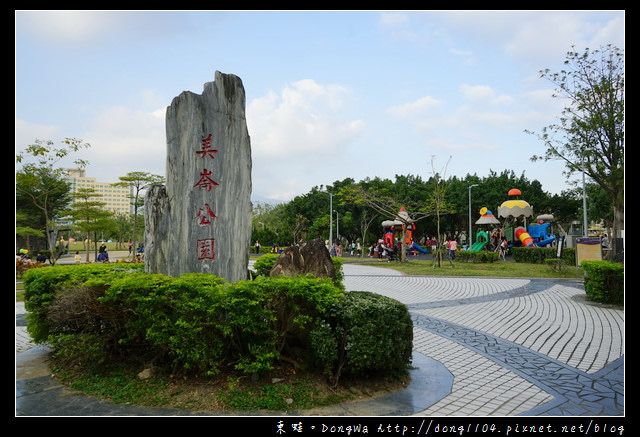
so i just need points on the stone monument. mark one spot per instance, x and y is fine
(200, 221)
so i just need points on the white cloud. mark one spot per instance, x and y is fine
(65, 26)
(477, 92)
(123, 140)
(297, 135)
(462, 145)
(415, 108)
(88, 28)
(611, 33)
(393, 18)
(26, 133)
(304, 121)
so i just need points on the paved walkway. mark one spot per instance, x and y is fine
(513, 346)
(482, 347)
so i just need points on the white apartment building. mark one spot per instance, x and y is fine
(117, 199)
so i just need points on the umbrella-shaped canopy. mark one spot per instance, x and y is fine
(401, 219)
(487, 218)
(515, 208)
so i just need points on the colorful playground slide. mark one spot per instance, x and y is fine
(478, 246)
(418, 248)
(540, 234)
(482, 238)
(524, 237)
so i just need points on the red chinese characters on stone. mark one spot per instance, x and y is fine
(206, 249)
(205, 181)
(205, 215)
(206, 148)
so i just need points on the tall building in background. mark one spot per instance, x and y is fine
(117, 199)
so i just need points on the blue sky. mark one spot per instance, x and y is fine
(330, 94)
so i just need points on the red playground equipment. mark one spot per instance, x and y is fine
(524, 237)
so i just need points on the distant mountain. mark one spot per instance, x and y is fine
(260, 199)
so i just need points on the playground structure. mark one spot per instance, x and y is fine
(533, 235)
(401, 227)
(515, 208)
(539, 232)
(482, 239)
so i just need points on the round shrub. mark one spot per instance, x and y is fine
(271, 316)
(604, 281)
(363, 333)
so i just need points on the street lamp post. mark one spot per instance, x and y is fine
(470, 234)
(585, 230)
(330, 220)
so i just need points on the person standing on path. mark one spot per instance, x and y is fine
(453, 247)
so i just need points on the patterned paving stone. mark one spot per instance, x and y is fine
(514, 346)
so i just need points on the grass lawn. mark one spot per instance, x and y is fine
(500, 269)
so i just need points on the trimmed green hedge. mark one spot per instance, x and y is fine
(604, 281)
(362, 333)
(197, 322)
(43, 284)
(538, 255)
(264, 263)
(201, 324)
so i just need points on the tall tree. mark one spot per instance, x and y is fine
(139, 182)
(589, 137)
(89, 215)
(440, 207)
(381, 199)
(43, 185)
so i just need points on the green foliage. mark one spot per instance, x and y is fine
(589, 136)
(270, 316)
(362, 334)
(172, 317)
(118, 384)
(42, 189)
(604, 281)
(78, 349)
(359, 220)
(196, 323)
(264, 263)
(558, 265)
(337, 266)
(271, 397)
(41, 286)
(538, 255)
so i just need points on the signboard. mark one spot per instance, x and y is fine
(588, 249)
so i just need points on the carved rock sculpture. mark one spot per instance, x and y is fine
(201, 220)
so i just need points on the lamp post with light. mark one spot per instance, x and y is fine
(470, 234)
(330, 220)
